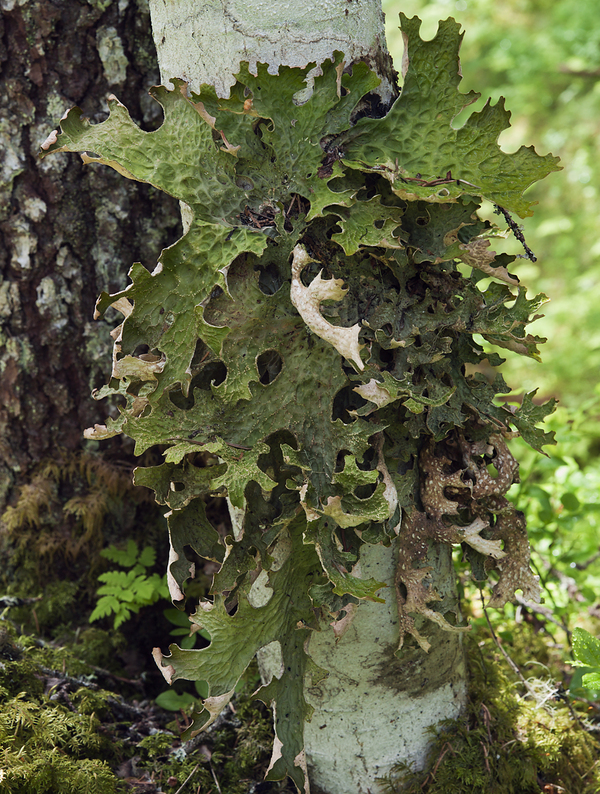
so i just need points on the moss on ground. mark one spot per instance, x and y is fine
(61, 733)
(50, 741)
(508, 743)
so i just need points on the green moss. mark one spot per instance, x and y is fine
(99, 647)
(57, 605)
(505, 743)
(50, 773)
(252, 735)
(52, 741)
(48, 748)
(92, 702)
(156, 745)
(61, 734)
(99, 5)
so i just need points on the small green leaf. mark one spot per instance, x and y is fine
(177, 618)
(125, 557)
(591, 681)
(586, 648)
(106, 605)
(123, 615)
(172, 701)
(570, 502)
(201, 688)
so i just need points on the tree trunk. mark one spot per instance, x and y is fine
(375, 708)
(66, 232)
(206, 44)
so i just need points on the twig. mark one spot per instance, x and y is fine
(68, 679)
(545, 611)
(215, 777)
(445, 749)
(575, 715)
(578, 73)
(131, 681)
(512, 665)
(581, 566)
(188, 778)
(515, 230)
(487, 721)
(485, 758)
(9, 601)
(447, 180)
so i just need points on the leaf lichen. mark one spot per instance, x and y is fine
(306, 348)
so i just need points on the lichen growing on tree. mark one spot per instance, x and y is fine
(308, 349)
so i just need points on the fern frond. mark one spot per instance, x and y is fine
(125, 557)
(107, 605)
(90, 509)
(147, 557)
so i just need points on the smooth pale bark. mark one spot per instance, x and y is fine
(205, 42)
(374, 709)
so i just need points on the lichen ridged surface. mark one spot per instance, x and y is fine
(419, 151)
(307, 349)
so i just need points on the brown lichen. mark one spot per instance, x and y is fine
(463, 503)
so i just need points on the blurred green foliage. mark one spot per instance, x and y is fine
(560, 495)
(544, 57)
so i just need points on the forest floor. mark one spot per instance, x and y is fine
(84, 710)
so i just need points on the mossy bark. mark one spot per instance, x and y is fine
(66, 232)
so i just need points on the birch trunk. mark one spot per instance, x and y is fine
(375, 708)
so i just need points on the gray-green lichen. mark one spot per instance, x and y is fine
(112, 55)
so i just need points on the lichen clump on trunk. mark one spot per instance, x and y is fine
(308, 349)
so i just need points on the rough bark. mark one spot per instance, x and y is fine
(375, 708)
(66, 232)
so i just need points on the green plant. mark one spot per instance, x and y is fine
(62, 513)
(124, 592)
(560, 494)
(50, 729)
(332, 417)
(586, 650)
(189, 632)
(171, 700)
